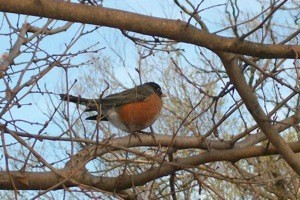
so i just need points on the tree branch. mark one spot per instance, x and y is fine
(238, 80)
(167, 28)
(36, 180)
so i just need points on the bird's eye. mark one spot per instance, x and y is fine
(159, 90)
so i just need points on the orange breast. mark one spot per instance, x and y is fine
(140, 115)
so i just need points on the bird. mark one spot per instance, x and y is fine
(131, 110)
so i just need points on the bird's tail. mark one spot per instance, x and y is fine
(75, 99)
(91, 104)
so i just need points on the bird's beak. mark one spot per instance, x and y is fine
(163, 95)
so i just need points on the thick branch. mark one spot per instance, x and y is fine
(33, 180)
(36, 180)
(260, 136)
(238, 80)
(179, 142)
(172, 29)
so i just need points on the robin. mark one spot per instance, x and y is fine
(131, 110)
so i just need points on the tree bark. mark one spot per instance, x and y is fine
(148, 25)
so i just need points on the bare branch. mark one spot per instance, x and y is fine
(145, 25)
